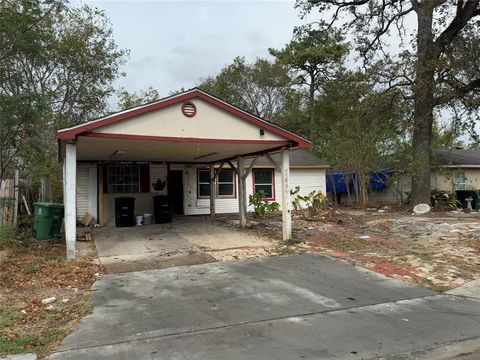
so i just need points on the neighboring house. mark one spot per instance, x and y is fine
(176, 146)
(453, 170)
(457, 169)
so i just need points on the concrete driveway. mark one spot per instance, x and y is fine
(295, 307)
(186, 241)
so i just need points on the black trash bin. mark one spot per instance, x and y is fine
(124, 211)
(162, 209)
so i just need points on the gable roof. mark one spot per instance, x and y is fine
(456, 157)
(195, 93)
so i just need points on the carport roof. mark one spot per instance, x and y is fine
(83, 129)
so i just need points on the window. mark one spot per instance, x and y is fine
(226, 183)
(203, 177)
(459, 181)
(224, 186)
(263, 180)
(123, 179)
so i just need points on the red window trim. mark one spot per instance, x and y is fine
(273, 182)
(216, 187)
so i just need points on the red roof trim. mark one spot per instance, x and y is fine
(71, 133)
(184, 139)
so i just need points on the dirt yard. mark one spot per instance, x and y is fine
(440, 251)
(32, 272)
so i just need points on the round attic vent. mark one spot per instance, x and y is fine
(189, 109)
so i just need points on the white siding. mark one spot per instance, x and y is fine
(158, 172)
(195, 206)
(82, 191)
(307, 179)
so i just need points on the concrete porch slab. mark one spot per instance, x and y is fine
(145, 247)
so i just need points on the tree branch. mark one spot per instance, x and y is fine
(464, 13)
(459, 91)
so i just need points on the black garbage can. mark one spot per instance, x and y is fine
(124, 211)
(162, 209)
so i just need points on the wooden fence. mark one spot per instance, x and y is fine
(7, 201)
(17, 197)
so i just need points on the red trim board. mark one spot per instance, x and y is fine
(184, 139)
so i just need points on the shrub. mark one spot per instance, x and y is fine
(260, 205)
(315, 201)
(444, 200)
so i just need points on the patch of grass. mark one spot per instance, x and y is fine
(8, 315)
(421, 255)
(347, 244)
(293, 241)
(39, 344)
(431, 285)
(31, 268)
(7, 233)
(288, 250)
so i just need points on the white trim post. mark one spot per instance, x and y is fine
(212, 191)
(70, 183)
(242, 189)
(286, 202)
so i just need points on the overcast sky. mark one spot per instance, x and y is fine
(175, 43)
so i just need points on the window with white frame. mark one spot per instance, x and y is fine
(123, 178)
(263, 181)
(459, 180)
(203, 181)
(224, 184)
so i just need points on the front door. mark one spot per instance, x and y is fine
(175, 190)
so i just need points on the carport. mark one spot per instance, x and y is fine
(192, 128)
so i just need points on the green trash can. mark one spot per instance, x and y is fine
(48, 220)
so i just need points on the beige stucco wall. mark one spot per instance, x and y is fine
(210, 122)
(445, 179)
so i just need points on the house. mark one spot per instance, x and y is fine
(206, 154)
(452, 170)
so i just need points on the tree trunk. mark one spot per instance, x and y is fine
(423, 107)
(311, 101)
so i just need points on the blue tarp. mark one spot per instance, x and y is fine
(378, 180)
(337, 181)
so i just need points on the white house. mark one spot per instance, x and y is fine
(206, 155)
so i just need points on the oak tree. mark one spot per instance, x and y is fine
(438, 68)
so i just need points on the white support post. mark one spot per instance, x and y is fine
(286, 203)
(69, 200)
(242, 206)
(212, 191)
